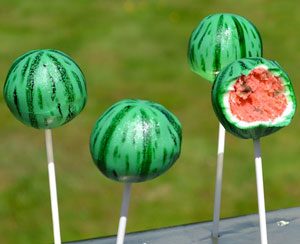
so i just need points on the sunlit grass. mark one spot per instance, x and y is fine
(137, 49)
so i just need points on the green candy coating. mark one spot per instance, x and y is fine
(45, 89)
(220, 39)
(223, 85)
(135, 141)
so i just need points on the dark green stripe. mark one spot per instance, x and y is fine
(127, 163)
(104, 116)
(173, 136)
(138, 157)
(246, 29)
(203, 64)
(147, 145)
(258, 54)
(243, 65)
(116, 152)
(78, 82)
(197, 31)
(25, 67)
(241, 36)
(253, 32)
(64, 78)
(71, 114)
(217, 56)
(165, 155)
(16, 102)
(227, 54)
(46, 122)
(173, 156)
(115, 174)
(231, 71)
(101, 161)
(133, 137)
(59, 109)
(5, 90)
(153, 111)
(221, 75)
(124, 135)
(226, 26)
(12, 69)
(191, 54)
(68, 58)
(153, 153)
(17, 62)
(202, 37)
(29, 89)
(156, 123)
(274, 70)
(96, 129)
(170, 118)
(259, 61)
(68, 86)
(157, 128)
(53, 86)
(67, 62)
(40, 99)
(107, 112)
(274, 63)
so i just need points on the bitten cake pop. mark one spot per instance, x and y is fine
(218, 40)
(135, 141)
(46, 89)
(253, 98)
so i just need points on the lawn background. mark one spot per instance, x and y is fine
(137, 49)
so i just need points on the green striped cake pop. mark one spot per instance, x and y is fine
(135, 140)
(253, 97)
(220, 39)
(45, 89)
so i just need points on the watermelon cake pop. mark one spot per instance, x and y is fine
(220, 39)
(45, 89)
(253, 98)
(135, 141)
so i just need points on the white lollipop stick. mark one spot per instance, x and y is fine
(124, 212)
(52, 184)
(260, 193)
(218, 184)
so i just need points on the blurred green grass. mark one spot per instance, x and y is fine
(137, 49)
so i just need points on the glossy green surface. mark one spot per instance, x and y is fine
(228, 77)
(135, 140)
(45, 89)
(220, 39)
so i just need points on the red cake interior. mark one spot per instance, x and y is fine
(258, 96)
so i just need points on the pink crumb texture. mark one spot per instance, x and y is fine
(258, 96)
